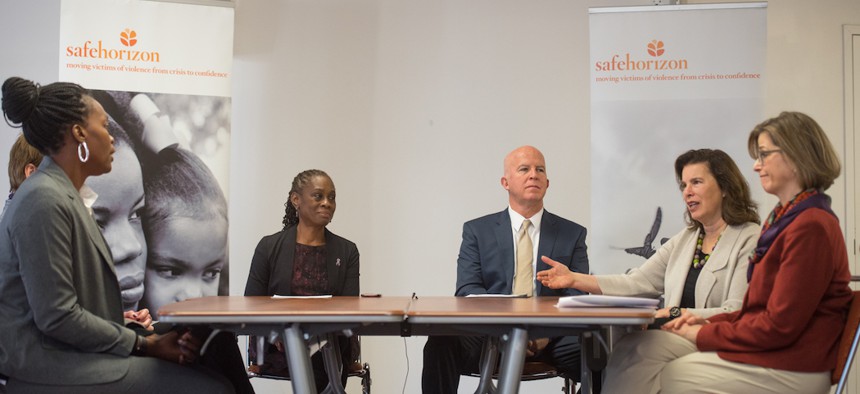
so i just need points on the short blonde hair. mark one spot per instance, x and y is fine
(804, 143)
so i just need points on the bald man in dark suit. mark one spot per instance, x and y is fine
(487, 264)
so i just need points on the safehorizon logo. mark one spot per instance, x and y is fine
(128, 37)
(98, 50)
(655, 49)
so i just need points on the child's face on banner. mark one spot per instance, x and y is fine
(186, 257)
(117, 211)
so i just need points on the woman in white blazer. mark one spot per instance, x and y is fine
(703, 268)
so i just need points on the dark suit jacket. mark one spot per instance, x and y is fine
(486, 261)
(272, 265)
(60, 306)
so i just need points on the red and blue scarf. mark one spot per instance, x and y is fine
(781, 217)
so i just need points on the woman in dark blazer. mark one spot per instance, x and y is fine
(61, 317)
(305, 259)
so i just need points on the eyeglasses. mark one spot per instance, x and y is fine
(763, 154)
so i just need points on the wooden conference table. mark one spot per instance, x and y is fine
(511, 320)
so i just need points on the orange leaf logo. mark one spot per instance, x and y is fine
(128, 37)
(655, 48)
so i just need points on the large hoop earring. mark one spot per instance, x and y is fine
(85, 155)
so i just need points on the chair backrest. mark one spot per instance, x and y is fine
(275, 362)
(534, 370)
(847, 344)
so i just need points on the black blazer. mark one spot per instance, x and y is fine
(486, 261)
(272, 265)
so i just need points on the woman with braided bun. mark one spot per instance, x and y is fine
(61, 315)
(305, 259)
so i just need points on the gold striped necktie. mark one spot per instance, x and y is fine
(524, 277)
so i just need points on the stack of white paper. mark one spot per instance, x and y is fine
(497, 296)
(594, 300)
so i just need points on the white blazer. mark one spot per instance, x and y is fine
(721, 284)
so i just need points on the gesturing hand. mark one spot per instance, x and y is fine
(561, 277)
(557, 277)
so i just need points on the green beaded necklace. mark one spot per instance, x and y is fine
(699, 257)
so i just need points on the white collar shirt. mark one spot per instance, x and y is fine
(89, 197)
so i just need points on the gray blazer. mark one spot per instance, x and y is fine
(721, 285)
(60, 306)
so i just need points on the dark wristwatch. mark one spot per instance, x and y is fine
(139, 346)
(674, 312)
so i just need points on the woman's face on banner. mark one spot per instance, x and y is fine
(117, 211)
(186, 257)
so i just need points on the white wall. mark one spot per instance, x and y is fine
(411, 105)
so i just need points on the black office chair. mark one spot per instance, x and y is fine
(596, 360)
(532, 370)
(274, 364)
